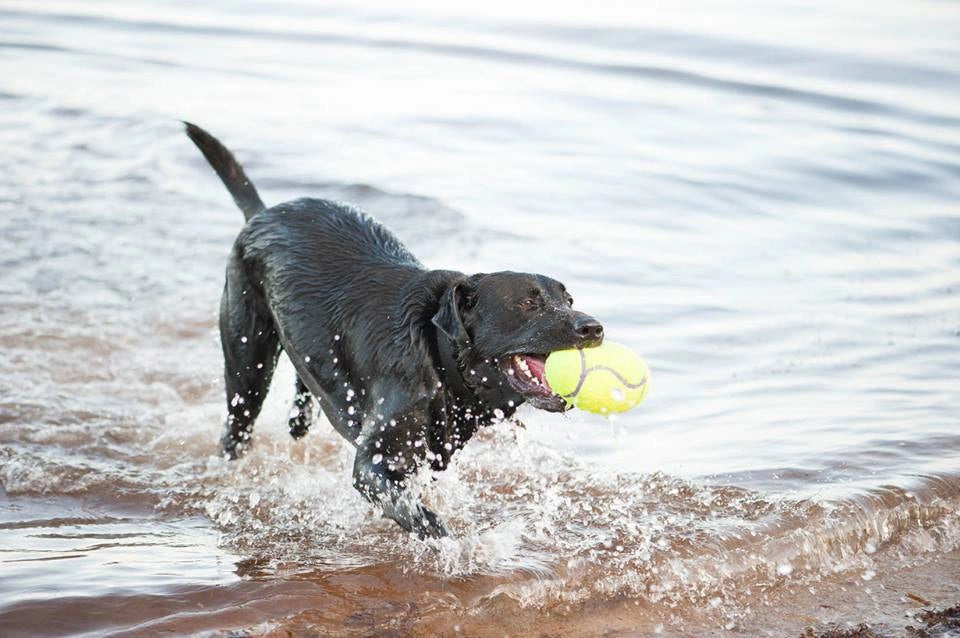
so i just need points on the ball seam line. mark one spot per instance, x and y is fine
(584, 370)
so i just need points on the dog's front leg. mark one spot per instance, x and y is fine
(390, 450)
(386, 488)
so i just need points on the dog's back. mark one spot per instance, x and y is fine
(308, 250)
(316, 258)
(319, 226)
(324, 234)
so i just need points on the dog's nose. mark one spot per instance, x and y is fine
(588, 330)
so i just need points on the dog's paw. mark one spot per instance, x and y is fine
(416, 519)
(301, 414)
(231, 448)
(299, 425)
(426, 524)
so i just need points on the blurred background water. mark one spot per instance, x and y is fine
(761, 198)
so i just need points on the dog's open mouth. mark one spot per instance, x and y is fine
(525, 374)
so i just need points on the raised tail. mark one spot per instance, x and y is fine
(229, 170)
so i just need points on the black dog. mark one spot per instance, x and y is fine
(407, 363)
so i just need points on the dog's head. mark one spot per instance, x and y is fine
(503, 325)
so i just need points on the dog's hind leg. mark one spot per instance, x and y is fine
(301, 415)
(250, 350)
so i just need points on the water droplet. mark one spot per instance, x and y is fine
(617, 394)
(243, 339)
(306, 359)
(377, 459)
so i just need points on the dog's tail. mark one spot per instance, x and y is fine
(229, 170)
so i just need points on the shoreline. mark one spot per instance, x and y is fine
(845, 607)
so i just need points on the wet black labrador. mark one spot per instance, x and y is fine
(407, 363)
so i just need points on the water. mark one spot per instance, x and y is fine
(761, 199)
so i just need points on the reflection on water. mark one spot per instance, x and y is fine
(101, 550)
(761, 200)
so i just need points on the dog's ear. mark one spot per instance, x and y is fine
(455, 301)
(448, 318)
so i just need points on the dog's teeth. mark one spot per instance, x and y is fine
(521, 364)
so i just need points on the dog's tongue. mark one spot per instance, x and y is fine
(536, 366)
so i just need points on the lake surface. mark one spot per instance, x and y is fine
(760, 198)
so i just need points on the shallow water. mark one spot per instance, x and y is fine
(760, 199)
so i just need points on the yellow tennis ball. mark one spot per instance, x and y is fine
(606, 379)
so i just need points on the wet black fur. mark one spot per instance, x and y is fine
(405, 362)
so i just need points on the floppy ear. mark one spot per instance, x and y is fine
(448, 318)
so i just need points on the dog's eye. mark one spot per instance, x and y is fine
(528, 304)
(570, 301)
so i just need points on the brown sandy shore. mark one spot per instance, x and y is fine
(915, 601)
